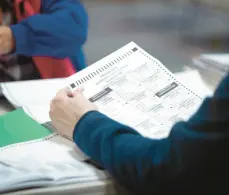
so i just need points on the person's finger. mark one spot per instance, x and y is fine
(51, 105)
(62, 93)
(51, 113)
(80, 89)
(77, 92)
(70, 93)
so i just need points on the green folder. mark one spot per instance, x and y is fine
(17, 126)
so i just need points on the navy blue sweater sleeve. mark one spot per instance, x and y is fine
(58, 31)
(195, 154)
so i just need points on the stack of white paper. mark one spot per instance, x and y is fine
(213, 66)
(29, 93)
(45, 162)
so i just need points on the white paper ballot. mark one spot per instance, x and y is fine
(134, 88)
(35, 92)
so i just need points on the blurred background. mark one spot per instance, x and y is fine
(174, 31)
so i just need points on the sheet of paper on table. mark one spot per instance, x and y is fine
(29, 93)
(213, 67)
(222, 58)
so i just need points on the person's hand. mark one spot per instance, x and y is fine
(7, 42)
(66, 109)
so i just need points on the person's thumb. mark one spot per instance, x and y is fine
(77, 92)
(62, 93)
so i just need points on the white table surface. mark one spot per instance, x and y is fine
(94, 188)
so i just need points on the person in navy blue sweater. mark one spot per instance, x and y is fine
(193, 159)
(56, 29)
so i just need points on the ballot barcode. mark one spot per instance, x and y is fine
(103, 68)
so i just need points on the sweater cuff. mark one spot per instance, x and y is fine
(82, 123)
(23, 41)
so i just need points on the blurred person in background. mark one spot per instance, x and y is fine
(41, 38)
(193, 159)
